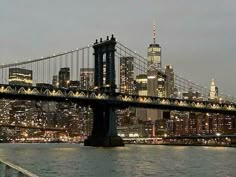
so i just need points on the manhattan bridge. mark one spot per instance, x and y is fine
(103, 95)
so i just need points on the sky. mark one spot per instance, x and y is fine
(197, 37)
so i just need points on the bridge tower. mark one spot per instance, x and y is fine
(104, 131)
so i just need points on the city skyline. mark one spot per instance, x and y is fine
(196, 37)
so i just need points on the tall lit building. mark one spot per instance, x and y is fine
(127, 75)
(213, 91)
(87, 78)
(19, 76)
(169, 83)
(155, 76)
(64, 77)
(154, 51)
(141, 89)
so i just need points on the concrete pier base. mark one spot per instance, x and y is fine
(112, 141)
(104, 131)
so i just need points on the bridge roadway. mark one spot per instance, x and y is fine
(116, 100)
(34, 127)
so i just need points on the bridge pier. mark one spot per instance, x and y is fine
(104, 131)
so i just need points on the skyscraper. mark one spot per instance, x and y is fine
(213, 91)
(141, 89)
(155, 76)
(64, 77)
(19, 76)
(154, 51)
(127, 75)
(169, 83)
(87, 78)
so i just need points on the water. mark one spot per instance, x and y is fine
(74, 160)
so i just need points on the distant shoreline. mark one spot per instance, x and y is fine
(166, 144)
(160, 144)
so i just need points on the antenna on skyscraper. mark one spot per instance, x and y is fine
(154, 32)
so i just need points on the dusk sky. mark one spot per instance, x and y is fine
(197, 36)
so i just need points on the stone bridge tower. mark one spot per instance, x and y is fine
(104, 131)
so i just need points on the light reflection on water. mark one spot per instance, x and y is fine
(72, 160)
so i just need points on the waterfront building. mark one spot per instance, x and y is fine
(87, 78)
(149, 128)
(64, 77)
(19, 76)
(131, 131)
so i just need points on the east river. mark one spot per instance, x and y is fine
(75, 160)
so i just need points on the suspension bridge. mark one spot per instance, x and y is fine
(103, 92)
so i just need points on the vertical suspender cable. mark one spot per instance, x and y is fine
(77, 65)
(72, 67)
(66, 57)
(49, 71)
(88, 72)
(83, 65)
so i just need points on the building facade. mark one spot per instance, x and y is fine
(64, 77)
(141, 89)
(19, 76)
(169, 82)
(87, 78)
(213, 91)
(155, 76)
(127, 75)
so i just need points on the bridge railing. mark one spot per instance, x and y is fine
(8, 169)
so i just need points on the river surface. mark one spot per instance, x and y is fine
(75, 160)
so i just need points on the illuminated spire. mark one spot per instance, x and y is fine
(154, 32)
(212, 82)
(213, 90)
